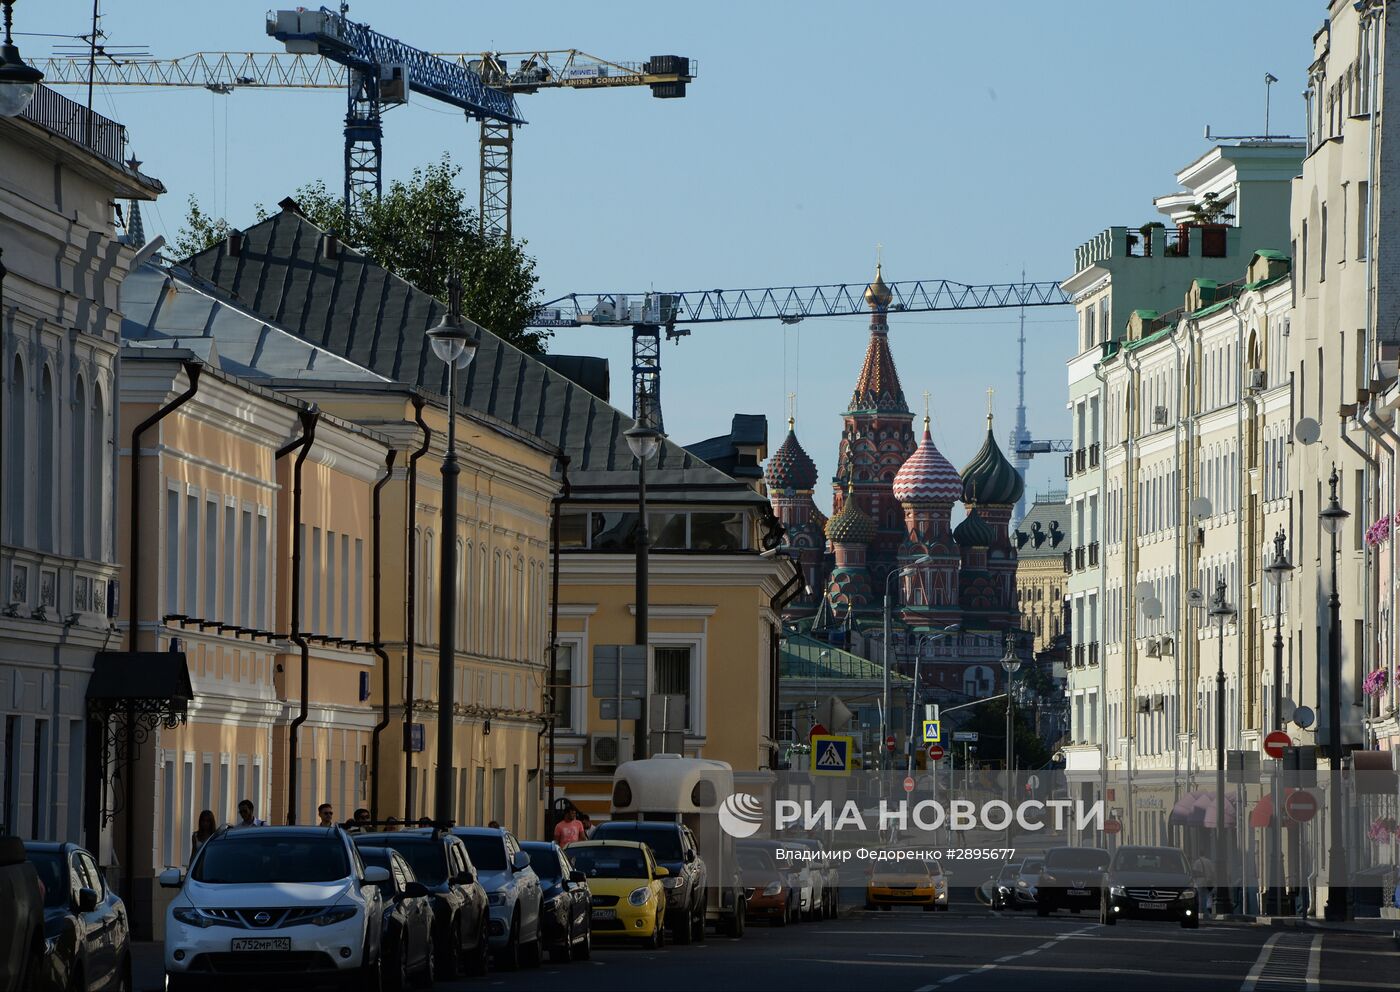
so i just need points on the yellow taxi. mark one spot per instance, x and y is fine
(908, 883)
(628, 899)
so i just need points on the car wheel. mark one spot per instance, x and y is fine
(480, 961)
(780, 919)
(1106, 916)
(371, 978)
(697, 926)
(124, 976)
(427, 976)
(532, 953)
(450, 955)
(398, 978)
(177, 983)
(887, 909)
(509, 957)
(1190, 923)
(869, 906)
(943, 907)
(734, 926)
(681, 929)
(562, 954)
(584, 951)
(658, 936)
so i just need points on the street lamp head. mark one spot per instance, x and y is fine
(1010, 662)
(952, 628)
(453, 342)
(18, 79)
(1332, 515)
(644, 442)
(1220, 609)
(1280, 569)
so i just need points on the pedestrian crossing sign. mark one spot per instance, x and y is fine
(933, 733)
(832, 754)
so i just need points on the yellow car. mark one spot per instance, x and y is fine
(910, 883)
(628, 899)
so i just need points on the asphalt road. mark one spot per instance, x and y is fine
(910, 950)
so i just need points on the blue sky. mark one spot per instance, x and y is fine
(970, 140)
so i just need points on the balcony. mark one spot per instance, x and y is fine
(59, 115)
(1069, 561)
(1069, 466)
(1079, 558)
(1081, 457)
(1094, 455)
(1183, 241)
(1079, 656)
(1093, 653)
(1093, 553)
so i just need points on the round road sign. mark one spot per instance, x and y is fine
(1112, 826)
(1300, 806)
(909, 783)
(1276, 742)
(935, 752)
(889, 743)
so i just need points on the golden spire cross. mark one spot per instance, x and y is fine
(926, 418)
(879, 251)
(990, 393)
(792, 410)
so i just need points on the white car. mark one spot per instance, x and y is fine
(513, 892)
(277, 907)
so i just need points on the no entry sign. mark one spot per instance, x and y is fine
(1112, 826)
(1300, 806)
(889, 743)
(1276, 742)
(909, 783)
(935, 752)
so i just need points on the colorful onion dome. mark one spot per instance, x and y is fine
(852, 525)
(974, 532)
(989, 479)
(877, 294)
(791, 467)
(927, 477)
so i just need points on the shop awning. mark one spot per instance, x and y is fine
(144, 681)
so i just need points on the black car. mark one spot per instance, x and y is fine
(22, 909)
(1071, 879)
(566, 914)
(440, 863)
(406, 942)
(1150, 883)
(675, 849)
(85, 925)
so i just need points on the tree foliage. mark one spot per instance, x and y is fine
(421, 229)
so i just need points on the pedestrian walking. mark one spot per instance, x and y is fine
(247, 816)
(362, 821)
(570, 829)
(326, 815)
(206, 829)
(588, 825)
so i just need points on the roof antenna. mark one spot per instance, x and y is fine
(1269, 80)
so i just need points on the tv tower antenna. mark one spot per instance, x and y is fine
(1020, 436)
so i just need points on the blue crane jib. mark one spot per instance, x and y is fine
(786, 303)
(328, 33)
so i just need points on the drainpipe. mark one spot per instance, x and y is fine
(1102, 376)
(411, 620)
(378, 638)
(1377, 434)
(1133, 395)
(1241, 615)
(1394, 620)
(308, 417)
(565, 491)
(192, 372)
(1183, 548)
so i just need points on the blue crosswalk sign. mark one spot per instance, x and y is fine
(831, 754)
(932, 732)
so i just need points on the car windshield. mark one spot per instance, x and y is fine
(1032, 866)
(1157, 859)
(1082, 859)
(51, 868)
(546, 863)
(1010, 871)
(665, 842)
(609, 862)
(487, 851)
(426, 857)
(756, 861)
(251, 856)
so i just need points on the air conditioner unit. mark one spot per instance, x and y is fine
(1167, 645)
(1159, 416)
(603, 749)
(1159, 702)
(1144, 704)
(1258, 379)
(1154, 648)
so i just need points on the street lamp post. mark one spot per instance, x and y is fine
(886, 723)
(18, 79)
(1011, 663)
(455, 345)
(1223, 612)
(915, 696)
(1333, 517)
(1279, 571)
(644, 440)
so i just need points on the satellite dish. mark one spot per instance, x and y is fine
(1200, 507)
(1195, 597)
(1286, 707)
(1307, 431)
(1152, 608)
(1144, 590)
(1303, 717)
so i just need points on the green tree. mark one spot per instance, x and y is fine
(989, 720)
(200, 231)
(422, 229)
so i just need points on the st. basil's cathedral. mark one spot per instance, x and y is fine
(892, 503)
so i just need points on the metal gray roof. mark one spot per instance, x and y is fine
(350, 306)
(1052, 516)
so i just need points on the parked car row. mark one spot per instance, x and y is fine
(783, 891)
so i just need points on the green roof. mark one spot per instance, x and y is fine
(805, 657)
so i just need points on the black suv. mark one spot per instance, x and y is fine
(1150, 883)
(460, 915)
(1071, 879)
(675, 849)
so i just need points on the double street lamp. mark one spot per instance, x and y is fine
(1333, 518)
(885, 721)
(1011, 664)
(454, 344)
(644, 440)
(916, 695)
(1279, 571)
(1223, 613)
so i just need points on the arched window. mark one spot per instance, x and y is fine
(79, 458)
(17, 469)
(99, 472)
(44, 496)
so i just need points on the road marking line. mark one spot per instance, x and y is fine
(1314, 962)
(1260, 963)
(1003, 962)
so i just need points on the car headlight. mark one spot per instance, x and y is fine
(639, 895)
(674, 882)
(1115, 890)
(336, 914)
(1021, 884)
(773, 888)
(193, 918)
(496, 898)
(1188, 893)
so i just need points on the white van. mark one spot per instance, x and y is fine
(669, 788)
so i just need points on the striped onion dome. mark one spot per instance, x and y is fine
(791, 467)
(974, 532)
(927, 477)
(852, 525)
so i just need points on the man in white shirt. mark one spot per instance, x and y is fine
(246, 817)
